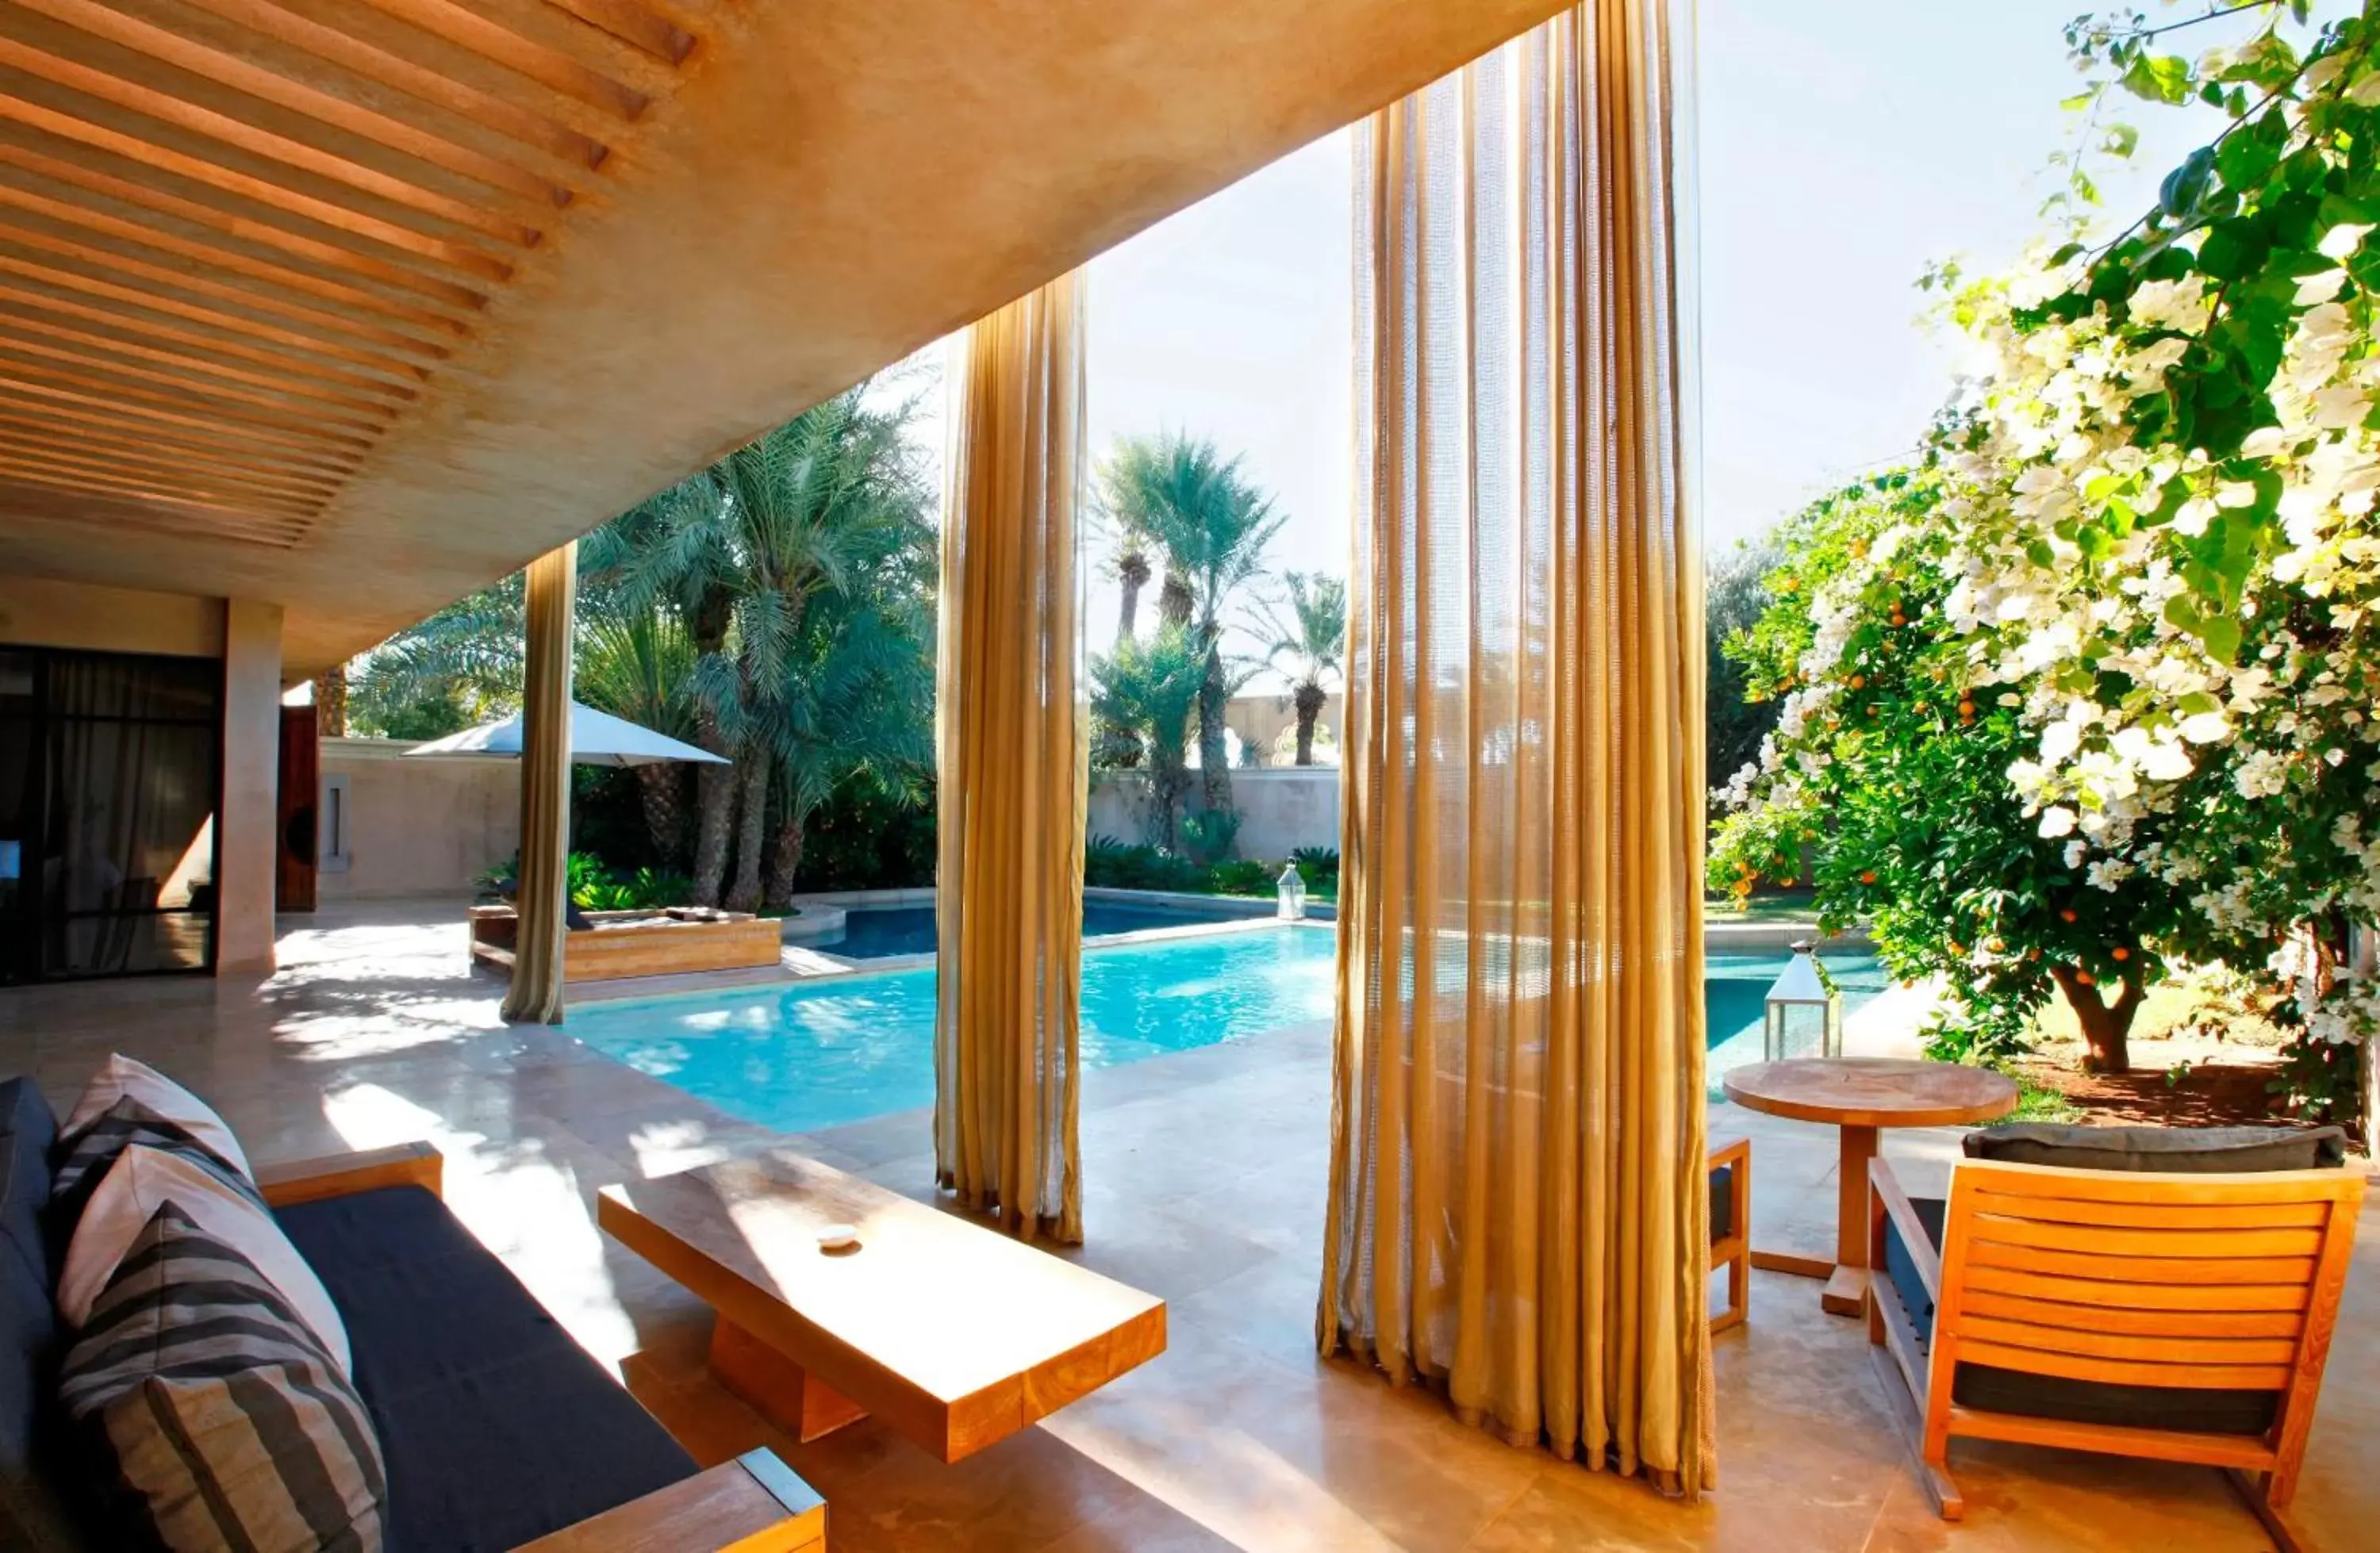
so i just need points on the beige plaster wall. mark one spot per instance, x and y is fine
(249, 821)
(423, 827)
(36, 611)
(1280, 810)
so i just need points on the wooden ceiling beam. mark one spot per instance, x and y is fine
(115, 267)
(551, 66)
(154, 453)
(179, 365)
(379, 347)
(24, 382)
(149, 156)
(512, 222)
(261, 511)
(213, 344)
(150, 474)
(205, 448)
(563, 142)
(430, 283)
(399, 135)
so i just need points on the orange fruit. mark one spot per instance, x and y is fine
(2120, 953)
(1858, 682)
(2067, 915)
(2083, 978)
(1868, 877)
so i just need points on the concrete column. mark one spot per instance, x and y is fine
(535, 996)
(251, 765)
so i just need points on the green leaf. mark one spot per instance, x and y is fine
(2163, 78)
(2221, 635)
(2121, 139)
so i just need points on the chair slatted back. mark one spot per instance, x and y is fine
(2225, 1283)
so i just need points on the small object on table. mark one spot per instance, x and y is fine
(1862, 1096)
(839, 1237)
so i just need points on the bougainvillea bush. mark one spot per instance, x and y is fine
(2092, 688)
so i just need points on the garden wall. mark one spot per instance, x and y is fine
(1281, 808)
(424, 827)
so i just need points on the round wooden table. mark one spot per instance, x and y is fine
(1861, 1095)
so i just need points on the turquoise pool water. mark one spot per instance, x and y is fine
(822, 1053)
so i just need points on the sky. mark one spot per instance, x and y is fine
(1844, 147)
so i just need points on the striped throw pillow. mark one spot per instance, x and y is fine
(86, 1155)
(222, 1417)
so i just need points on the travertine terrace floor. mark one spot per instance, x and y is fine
(1204, 1183)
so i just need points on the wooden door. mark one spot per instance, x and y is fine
(300, 782)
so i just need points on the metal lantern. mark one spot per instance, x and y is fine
(1292, 893)
(1804, 1016)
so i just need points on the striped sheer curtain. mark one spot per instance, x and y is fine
(1517, 1203)
(1013, 768)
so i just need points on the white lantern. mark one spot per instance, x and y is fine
(1292, 893)
(1805, 1015)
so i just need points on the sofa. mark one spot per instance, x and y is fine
(497, 1429)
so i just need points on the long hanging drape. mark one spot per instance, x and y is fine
(535, 995)
(1011, 773)
(1517, 1203)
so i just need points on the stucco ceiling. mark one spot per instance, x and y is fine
(357, 305)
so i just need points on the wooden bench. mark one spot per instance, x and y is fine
(952, 1333)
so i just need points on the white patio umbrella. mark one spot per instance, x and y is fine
(596, 739)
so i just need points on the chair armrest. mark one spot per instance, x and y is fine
(754, 1504)
(342, 1175)
(1884, 1190)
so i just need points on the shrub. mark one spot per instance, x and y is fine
(1211, 835)
(1244, 876)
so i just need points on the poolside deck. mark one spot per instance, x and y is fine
(1204, 1180)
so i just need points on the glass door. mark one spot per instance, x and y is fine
(110, 767)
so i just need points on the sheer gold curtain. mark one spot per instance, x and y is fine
(1013, 770)
(1517, 1200)
(535, 995)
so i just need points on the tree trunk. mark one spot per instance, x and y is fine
(1173, 600)
(2106, 1027)
(1309, 698)
(714, 807)
(1214, 749)
(661, 788)
(714, 786)
(752, 833)
(330, 703)
(1131, 571)
(787, 862)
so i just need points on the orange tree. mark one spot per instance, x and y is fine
(1896, 784)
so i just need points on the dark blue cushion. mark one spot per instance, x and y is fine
(31, 1429)
(1722, 1203)
(497, 1427)
(1990, 1388)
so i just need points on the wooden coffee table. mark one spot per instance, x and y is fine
(1861, 1095)
(953, 1334)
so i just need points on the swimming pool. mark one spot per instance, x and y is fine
(842, 1048)
(877, 933)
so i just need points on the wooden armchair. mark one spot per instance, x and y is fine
(2184, 1318)
(1730, 1216)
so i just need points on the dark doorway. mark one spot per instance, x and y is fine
(110, 779)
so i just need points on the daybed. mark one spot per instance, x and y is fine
(612, 944)
(497, 1429)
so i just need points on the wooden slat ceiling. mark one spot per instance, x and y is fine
(354, 306)
(241, 239)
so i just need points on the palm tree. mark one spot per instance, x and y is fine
(1151, 688)
(1212, 524)
(1126, 480)
(636, 664)
(830, 504)
(1312, 633)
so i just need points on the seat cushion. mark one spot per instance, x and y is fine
(213, 1411)
(1722, 1203)
(1992, 1389)
(31, 1512)
(497, 1427)
(2193, 1150)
